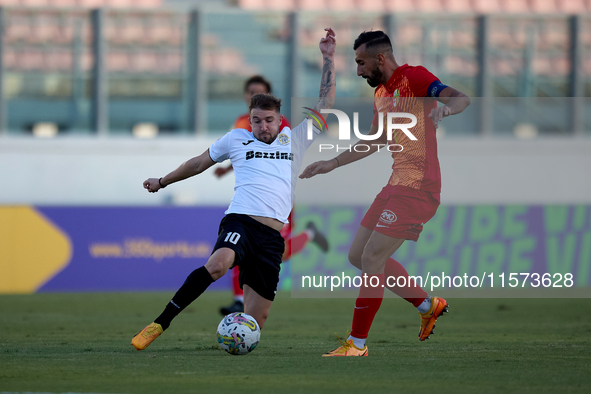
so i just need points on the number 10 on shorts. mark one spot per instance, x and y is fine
(232, 237)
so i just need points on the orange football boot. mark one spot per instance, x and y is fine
(145, 337)
(428, 319)
(347, 348)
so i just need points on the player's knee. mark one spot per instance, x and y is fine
(370, 253)
(370, 261)
(216, 272)
(217, 268)
(219, 262)
(355, 259)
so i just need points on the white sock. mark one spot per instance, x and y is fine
(358, 342)
(239, 298)
(309, 233)
(425, 305)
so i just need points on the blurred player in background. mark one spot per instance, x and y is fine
(293, 245)
(411, 197)
(249, 235)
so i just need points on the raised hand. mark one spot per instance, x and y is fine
(328, 44)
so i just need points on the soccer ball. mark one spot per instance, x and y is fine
(238, 333)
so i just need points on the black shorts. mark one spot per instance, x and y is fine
(259, 250)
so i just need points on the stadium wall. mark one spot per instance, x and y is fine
(47, 249)
(111, 171)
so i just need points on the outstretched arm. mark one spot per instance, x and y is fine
(328, 81)
(186, 170)
(455, 102)
(349, 156)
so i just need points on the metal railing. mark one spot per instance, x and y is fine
(103, 71)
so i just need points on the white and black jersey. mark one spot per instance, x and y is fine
(265, 173)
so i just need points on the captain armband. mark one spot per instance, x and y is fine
(435, 89)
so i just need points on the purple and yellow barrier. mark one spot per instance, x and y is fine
(103, 249)
(155, 248)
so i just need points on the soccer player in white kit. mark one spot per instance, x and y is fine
(266, 168)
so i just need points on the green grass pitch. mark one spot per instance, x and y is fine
(57, 343)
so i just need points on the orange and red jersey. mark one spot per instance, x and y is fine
(242, 122)
(417, 165)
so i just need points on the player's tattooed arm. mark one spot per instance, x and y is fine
(328, 79)
(327, 84)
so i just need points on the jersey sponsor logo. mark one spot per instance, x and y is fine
(247, 142)
(269, 155)
(283, 139)
(388, 217)
(434, 91)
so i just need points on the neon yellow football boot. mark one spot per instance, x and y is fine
(145, 337)
(428, 319)
(347, 348)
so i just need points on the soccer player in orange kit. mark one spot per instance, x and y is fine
(412, 194)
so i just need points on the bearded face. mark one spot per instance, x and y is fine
(265, 124)
(374, 77)
(367, 66)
